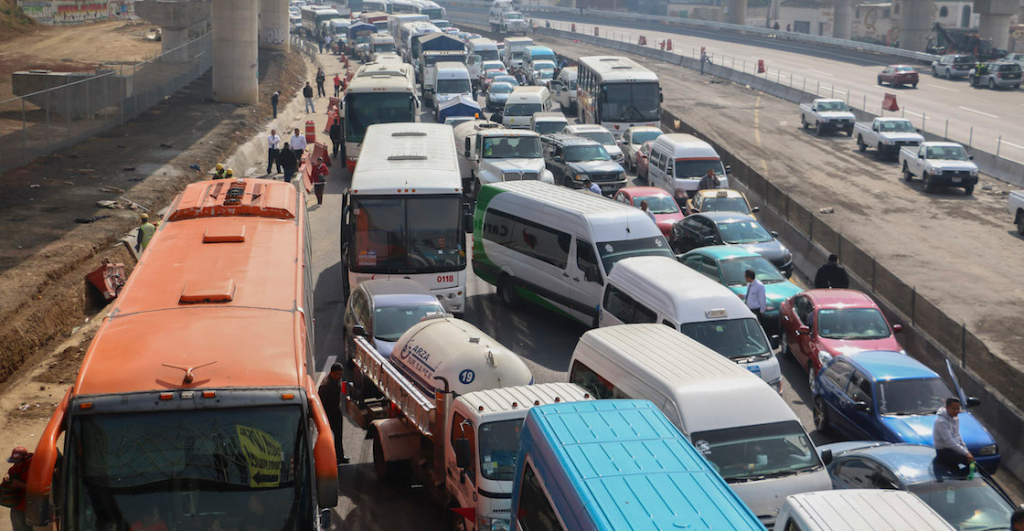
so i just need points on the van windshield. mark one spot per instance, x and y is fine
(522, 109)
(612, 252)
(695, 169)
(732, 338)
(499, 442)
(751, 453)
(453, 86)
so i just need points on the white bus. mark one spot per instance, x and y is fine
(617, 93)
(430, 9)
(379, 93)
(403, 212)
(376, 5)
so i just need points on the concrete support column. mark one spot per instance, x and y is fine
(736, 11)
(176, 20)
(274, 24)
(995, 20)
(843, 27)
(236, 51)
(915, 23)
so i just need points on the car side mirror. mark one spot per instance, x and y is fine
(558, 158)
(709, 239)
(920, 132)
(755, 209)
(358, 331)
(970, 157)
(897, 328)
(973, 401)
(826, 457)
(728, 170)
(860, 405)
(774, 233)
(803, 331)
(463, 453)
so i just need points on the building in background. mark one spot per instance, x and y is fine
(77, 11)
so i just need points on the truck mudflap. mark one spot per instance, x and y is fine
(399, 440)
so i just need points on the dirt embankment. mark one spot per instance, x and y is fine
(13, 21)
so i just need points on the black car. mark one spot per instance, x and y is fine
(573, 159)
(730, 228)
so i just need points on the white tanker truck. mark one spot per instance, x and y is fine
(452, 400)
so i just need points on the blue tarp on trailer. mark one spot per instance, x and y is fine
(440, 42)
(361, 30)
(461, 105)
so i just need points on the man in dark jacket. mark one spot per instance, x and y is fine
(335, 133)
(286, 158)
(274, 98)
(330, 396)
(832, 275)
(307, 92)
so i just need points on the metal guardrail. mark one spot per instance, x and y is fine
(716, 26)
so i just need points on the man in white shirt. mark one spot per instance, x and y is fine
(273, 150)
(949, 445)
(646, 208)
(756, 299)
(298, 144)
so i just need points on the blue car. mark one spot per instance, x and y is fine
(889, 396)
(968, 502)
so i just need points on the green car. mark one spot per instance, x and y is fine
(727, 264)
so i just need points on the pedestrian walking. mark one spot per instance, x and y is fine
(949, 445)
(307, 92)
(335, 134)
(756, 299)
(709, 181)
(1017, 520)
(273, 150)
(789, 27)
(288, 162)
(831, 275)
(219, 173)
(337, 85)
(327, 42)
(320, 78)
(145, 234)
(320, 42)
(298, 143)
(12, 489)
(330, 397)
(274, 98)
(592, 186)
(319, 177)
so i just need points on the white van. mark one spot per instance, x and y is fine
(858, 510)
(564, 87)
(546, 123)
(522, 104)
(740, 425)
(452, 81)
(480, 50)
(555, 246)
(678, 161)
(650, 289)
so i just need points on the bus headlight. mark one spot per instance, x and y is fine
(484, 523)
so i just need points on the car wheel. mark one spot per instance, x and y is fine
(861, 145)
(935, 72)
(821, 422)
(879, 80)
(507, 292)
(803, 121)
(928, 186)
(811, 374)
(567, 182)
(992, 84)
(969, 190)
(817, 128)
(1020, 224)
(849, 132)
(949, 74)
(913, 85)
(880, 151)
(907, 176)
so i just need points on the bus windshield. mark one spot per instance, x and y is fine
(365, 109)
(433, 13)
(630, 102)
(404, 235)
(236, 468)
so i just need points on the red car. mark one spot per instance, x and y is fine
(643, 160)
(819, 324)
(666, 211)
(898, 76)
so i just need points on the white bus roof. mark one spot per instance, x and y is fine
(865, 510)
(670, 284)
(613, 68)
(386, 76)
(418, 157)
(523, 397)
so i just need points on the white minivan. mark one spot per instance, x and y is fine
(742, 427)
(452, 81)
(554, 246)
(650, 289)
(858, 510)
(522, 104)
(678, 161)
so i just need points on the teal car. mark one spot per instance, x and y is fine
(727, 264)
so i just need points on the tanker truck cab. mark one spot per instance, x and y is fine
(493, 154)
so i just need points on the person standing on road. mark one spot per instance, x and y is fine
(273, 150)
(755, 298)
(337, 85)
(776, 26)
(831, 275)
(330, 396)
(288, 162)
(949, 445)
(789, 27)
(307, 92)
(646, 208)
(12, 490)
(320, 41)
(1017, 520)
(320, 78)
(298, 143)
(145, 234)
(592, 186)
(319, 175)
(274, 98)
(703, 60)
(335, 134)
(709, 181)
(327, 43)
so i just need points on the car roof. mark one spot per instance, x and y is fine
(580, 128)
(719, 217)
(724, 252)
(397, 286)
(832, 298)
(729, 192)
(883, 365)
(913, 463)
(634, 191)
(637, 128)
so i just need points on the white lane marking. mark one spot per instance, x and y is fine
(944, 88)
(839, 92)
(819, 72)
(914, 113)
(1012, 144)
(979, 112)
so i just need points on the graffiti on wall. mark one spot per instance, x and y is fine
(76, 11)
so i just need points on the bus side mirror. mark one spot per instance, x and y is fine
(469, 147)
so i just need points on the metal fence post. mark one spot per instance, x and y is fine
(913, 306)
(963, 344)
(874, 273)
(865, 105)
(924, 123)
(48, 120)
(970, 139)
(833, 91)
(817, 90)
(24, 134)
(67, 111)
(999, 144)
(946, 134)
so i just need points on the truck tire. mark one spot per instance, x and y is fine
(803, 121)
(1020, 223)
(907, 176)
(817, 128)
(849, 132)
(861, 146)
(928, 186)
(391, 473)
(880, 151)
(969, 189)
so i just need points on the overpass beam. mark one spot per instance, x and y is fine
(915, 24)
(736, 11)
(236, 51)
(274, 24)
(843, 28)
(995, 20)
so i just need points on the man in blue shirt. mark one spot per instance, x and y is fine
(592, 186)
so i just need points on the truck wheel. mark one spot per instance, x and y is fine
(803, 121)
(861, 145)
(928, 186)
(969, 189)
(849, 132)
(507, 292)
(392, 473)
(907, 176)
(880, 151)
(1020, 223)
(817, 128)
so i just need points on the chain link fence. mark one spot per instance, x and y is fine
(42, 122)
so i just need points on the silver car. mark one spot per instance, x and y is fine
(1002, 74)
(382, 310)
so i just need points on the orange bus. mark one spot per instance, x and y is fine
(195, 406)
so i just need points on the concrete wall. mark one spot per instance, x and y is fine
(817, 20)
(76, 11)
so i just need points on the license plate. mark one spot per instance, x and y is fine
(754, 369)
(957, 179)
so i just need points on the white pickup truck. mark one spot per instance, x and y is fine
(489, 153)
(887, 135)
(940, 164)
(827, 115)
(1015, 206)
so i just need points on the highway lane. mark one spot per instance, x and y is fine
(842, 74)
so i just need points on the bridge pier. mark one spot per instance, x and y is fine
(736, 12)
(179, 23)
(915, 24)
(995, 20)
(274, 25)
(236, 51)
(843, 25)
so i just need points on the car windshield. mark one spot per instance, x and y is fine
(832, 106)
(365, 109)
(491, 74)
(630, 102)
(946, 153)
(901, 126)
(734, 269)
(918, 396)
(742, 232)
(964, 59)
(517, 147)
(237, 468)
(659, 204)
(501, 88)
(499, 442)
(751, 453)
(967, 504)
(612, 252)
(545, 75)
(725, 204)
(453, 86)
(732, 338)
(513, 16)
(585, 153)
(639, 137)
(403, 235)
(852, 323)
(601, 137)
(546, 128)
(695, 169)
(511, 80)
(522, 109)
(384, 47)
(390, 322)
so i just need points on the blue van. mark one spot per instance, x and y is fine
(616, 465)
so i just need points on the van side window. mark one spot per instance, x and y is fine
(586, 260)
(529, 238)
(586, 378)
(540, 515)
(625, 308)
